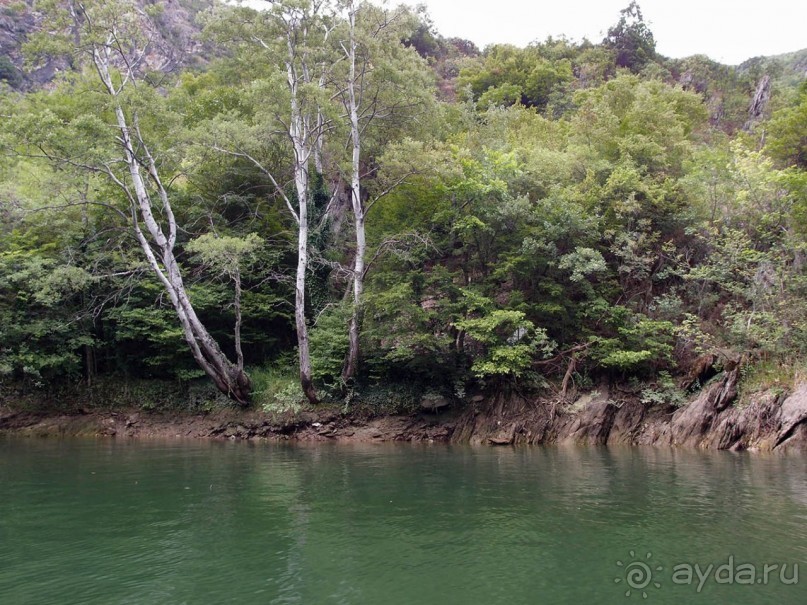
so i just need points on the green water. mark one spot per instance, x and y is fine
(109, 522)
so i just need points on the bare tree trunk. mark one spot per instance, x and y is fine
(352, 360)
(306, 380)
(228, 378)
(295, 21)
(300, 136)
(89, 364)
(319, 143)
(239, 352)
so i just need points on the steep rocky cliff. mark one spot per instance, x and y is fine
(173, 34)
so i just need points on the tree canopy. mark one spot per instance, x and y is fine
(337, 176)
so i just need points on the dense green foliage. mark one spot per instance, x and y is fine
(579, 210)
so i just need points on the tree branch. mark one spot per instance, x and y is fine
(264, 170)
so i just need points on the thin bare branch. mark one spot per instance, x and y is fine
(265, 171)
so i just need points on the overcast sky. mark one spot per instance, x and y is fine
(729, 31)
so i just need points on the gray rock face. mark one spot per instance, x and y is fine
(173, 34)
(690, 424)
(712, 420)
(759, 104)
(432, 403)
(627, 423)
(506, 436)
(594, 419)
(793, 415)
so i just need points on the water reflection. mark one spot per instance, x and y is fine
(111, 522)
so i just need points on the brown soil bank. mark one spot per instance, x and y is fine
(773, 421)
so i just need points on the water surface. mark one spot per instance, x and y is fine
(106, 522)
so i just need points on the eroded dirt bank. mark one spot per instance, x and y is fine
(772, 421)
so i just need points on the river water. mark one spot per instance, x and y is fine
(109, 522)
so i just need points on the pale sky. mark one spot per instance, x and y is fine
(727, 31)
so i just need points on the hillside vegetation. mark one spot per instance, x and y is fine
(331, 200)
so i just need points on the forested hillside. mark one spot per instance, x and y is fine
(328, 199)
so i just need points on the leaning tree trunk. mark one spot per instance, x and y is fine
(228, 378)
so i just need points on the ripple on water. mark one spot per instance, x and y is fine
(104, 522)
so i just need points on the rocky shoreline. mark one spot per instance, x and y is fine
(773, 421)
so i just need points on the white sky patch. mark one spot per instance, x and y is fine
(729, 31)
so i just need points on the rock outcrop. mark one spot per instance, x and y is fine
(769, 421)
(772, 420)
